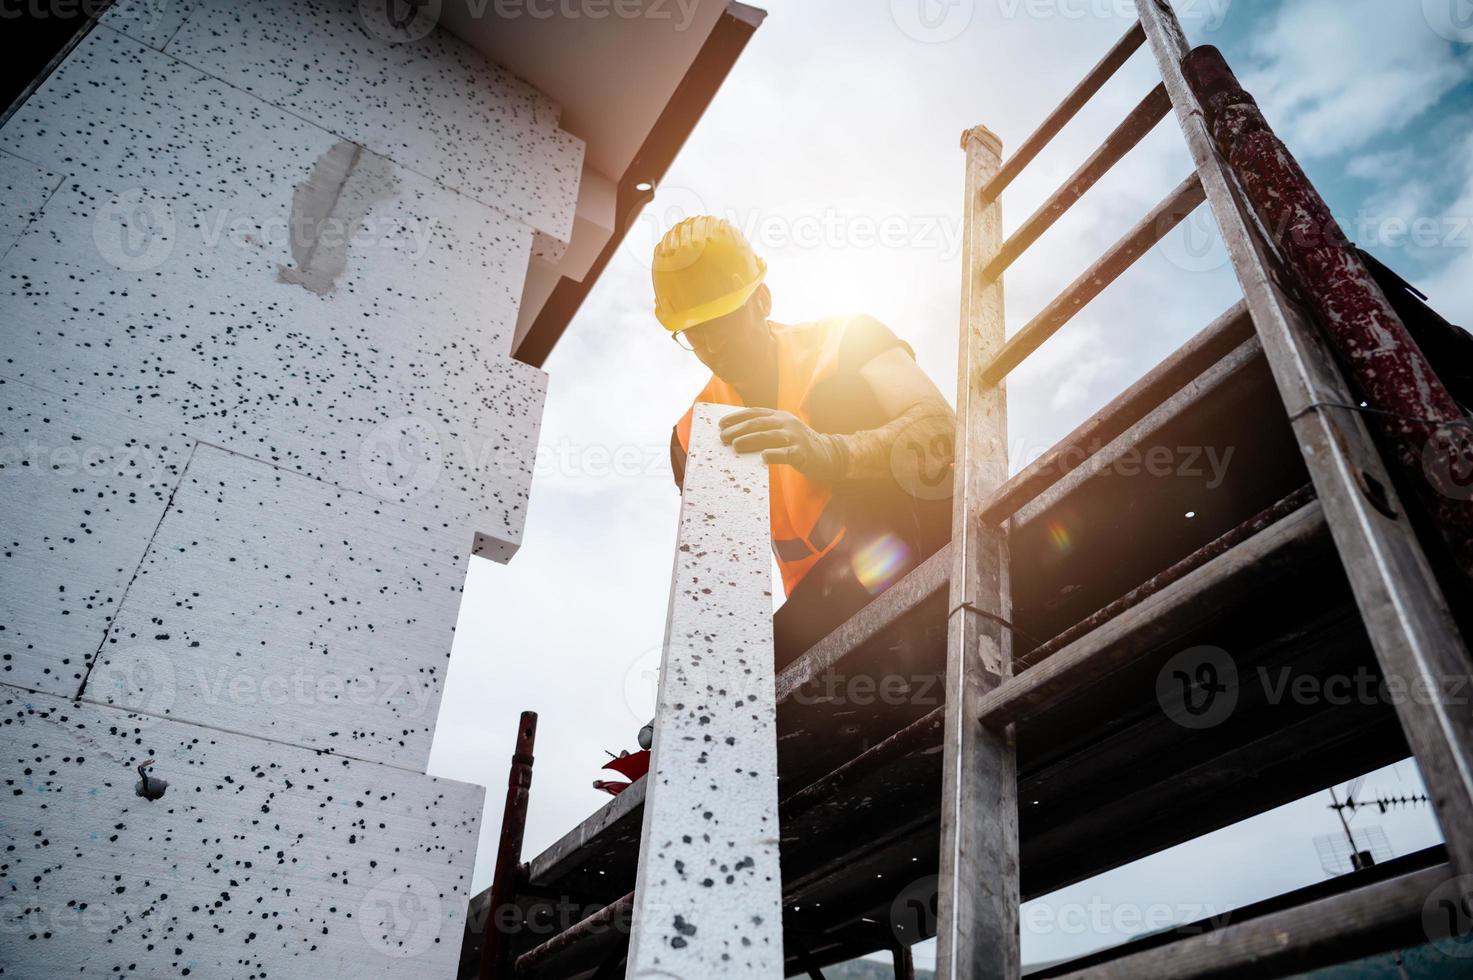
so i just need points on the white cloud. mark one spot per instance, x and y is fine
(1335, 74)
(1421, 224)
(1070, 367)
(1388, 165)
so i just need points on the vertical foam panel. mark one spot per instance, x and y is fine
(708, 897)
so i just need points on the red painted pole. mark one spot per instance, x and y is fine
(496, 947)
(1420, 425)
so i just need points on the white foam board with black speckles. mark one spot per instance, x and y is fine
(281, 606)
(708, 894)
(26, 188)
(273, 288)
(153, 22)
(419, 96)
(83, 491)
(259, 859)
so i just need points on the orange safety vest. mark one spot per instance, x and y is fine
(805, 525)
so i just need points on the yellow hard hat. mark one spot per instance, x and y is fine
(703, 269)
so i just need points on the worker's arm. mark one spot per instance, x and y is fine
(921, 423)
(921, 429)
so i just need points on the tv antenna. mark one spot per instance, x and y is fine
(1371, 846)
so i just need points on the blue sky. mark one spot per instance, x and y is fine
(834, 144)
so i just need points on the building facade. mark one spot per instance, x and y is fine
(265, 266)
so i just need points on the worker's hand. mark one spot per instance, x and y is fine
(782, 437)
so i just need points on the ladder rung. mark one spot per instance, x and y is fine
(1126, 637)
(1210, 345)
(1221, 374)
(1141, 120)
(1066, 110)
(1165, 216)
(1367, 920)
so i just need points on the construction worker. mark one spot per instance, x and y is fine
(858, 437)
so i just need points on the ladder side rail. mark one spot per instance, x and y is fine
(1403, 607)
(978, 887)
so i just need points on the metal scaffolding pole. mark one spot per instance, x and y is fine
(977, 905)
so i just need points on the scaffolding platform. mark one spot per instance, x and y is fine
(946, 786)
(1104, 775)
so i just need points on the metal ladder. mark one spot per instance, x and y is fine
(1400, 600)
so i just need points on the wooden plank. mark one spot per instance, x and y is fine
(1165, 216)
(978, 880)
(1179, 803)
(1404, 609)
(708, 891)
(1140, 121)
(1214, 342)
(1385, 915)
(1140, 434)
(1121, 640)
(1066, 110)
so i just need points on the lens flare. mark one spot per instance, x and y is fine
(1059, 535)
(878, 564)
